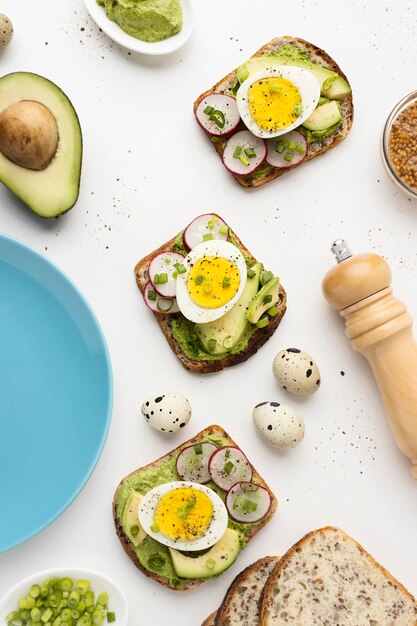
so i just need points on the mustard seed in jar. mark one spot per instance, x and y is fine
(403, 145)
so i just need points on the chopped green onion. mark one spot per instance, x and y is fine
(267, 299)
(160, 279)
(134, 530)
(227, 454)
(250, 153)
(164, 304)
(46, 615)
(35, 589)
(228, 467)
(292, 144)
(244, 160)
(249, 487)
(244, 504)
(289, 155)
(211, 345)
(199, 279)
(151, 294)
(226, 281)
(111, 617)
(180, 267)
(300, 148)
(210, 224)
(281, 145)
(183, 511)
(264, 321)
(223, 230)
(154, 528)
(103, 598)
(207, 287)
(237, 152)
(208, 236)
(210, 563)
(218, 117)
(198, 448)
(250, 273)
(266, 277)
(97, 617)
(272, 311)
(167, 261)
(298, 109)
(66, 584)
(208, 110)
(274, 88)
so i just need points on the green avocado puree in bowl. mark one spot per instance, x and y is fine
(148, 20)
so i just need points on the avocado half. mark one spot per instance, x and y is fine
(52, 188)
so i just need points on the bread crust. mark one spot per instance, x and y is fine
(297, 547)
(213, 430)
(320, 57)
(209, 621)
(257, 340)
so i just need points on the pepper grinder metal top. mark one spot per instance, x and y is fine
(379, 327)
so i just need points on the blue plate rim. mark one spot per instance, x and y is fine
(27, 249)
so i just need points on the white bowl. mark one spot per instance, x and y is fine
(99, 583)
(166, 46)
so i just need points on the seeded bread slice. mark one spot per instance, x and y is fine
(257, 340)
(318, 56)
(328, 579)
(209, 621)
(129, 548)
(240, 604)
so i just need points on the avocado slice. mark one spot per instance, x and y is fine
(221, 556)
(332, 85)
(34, 107)
(264, 300)
(324, 116)
(130, 520)
(223, 334)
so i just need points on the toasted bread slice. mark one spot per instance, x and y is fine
(209, 621)
(213, 431)
(318, 56)
(328, 579)
(205, 367)
(240, 606)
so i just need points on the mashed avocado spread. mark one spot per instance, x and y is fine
(148, 20)
(152, 555)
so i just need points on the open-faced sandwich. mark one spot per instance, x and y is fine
(185, 517)
(215, 303)
(287, 104)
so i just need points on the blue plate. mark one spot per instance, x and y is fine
(55, 392)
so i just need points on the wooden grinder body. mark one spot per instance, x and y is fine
(379, 327)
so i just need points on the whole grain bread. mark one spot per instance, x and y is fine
(209, 621)
(240, 606)
(205, 367)
(213, 430)
(328, 579)
(318, 56)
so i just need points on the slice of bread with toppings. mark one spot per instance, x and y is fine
(316, 144)
(150, 556)
(328, 579)
(180, 333)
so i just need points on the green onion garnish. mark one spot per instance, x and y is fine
(300, 148)
(164, 304)
(227, 454)
(183, 511)
(298, 109)
(210, 224)
(244, 160)
(292, 144)
(281, 145)
(198, 448)
(266, 277)
(111, 617)
(208, 236)
(151, 294)
(211, 345)
(237, 152)
(208, 110)
(223, 230)
(218, 118)
(275, 88)
(267, 299)
(228, 467)
(226, 282)
(250, 273)
(272, 311)
(207, 287)
(156, 561)
(264, 321)
(250, 153)
(154, 528)
(199, 279)
(134, 530)
(180, 267)
(160, 279)
(245, 505)
(289, 155)
(167, 261)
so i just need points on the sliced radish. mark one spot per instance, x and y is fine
(227, 466)
(192, 462)
(244, 152)
(248, 502)
(157, 303)
(162, 273)
(218, 114)
(204, 227)
(287, 150)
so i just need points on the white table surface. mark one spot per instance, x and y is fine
(147, 171)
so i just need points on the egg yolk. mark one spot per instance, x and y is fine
(183, 514)
(274, 103)
(213, 281)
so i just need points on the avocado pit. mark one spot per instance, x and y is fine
(28, 134)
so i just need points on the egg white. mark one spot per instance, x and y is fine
(213, 247)
(214, 532)
(304, 80)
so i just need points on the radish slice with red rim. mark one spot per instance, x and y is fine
(203, 228)
(244, 153)
(163, 271)
(192, 462)
(287, 150)
(157, 303)
(229, 465)
(218, 114)
(248, 502)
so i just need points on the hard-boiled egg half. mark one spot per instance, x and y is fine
(275, 100)
(213, 281)
(183, 515)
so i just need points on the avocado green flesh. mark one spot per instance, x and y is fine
(324, 116)
(319, 135)
(54, 190)
(220, 556)
(258, 307)
(150, 551)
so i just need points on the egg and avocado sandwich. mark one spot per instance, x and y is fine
(214, 302)
(185, 517)
(287, 104)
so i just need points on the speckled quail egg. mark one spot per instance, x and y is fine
(167, 412)
(296, 371)
(278, 424)
(6, 31)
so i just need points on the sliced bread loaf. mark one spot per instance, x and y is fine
(328, 579)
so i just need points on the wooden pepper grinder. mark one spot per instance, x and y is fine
(379, 327)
